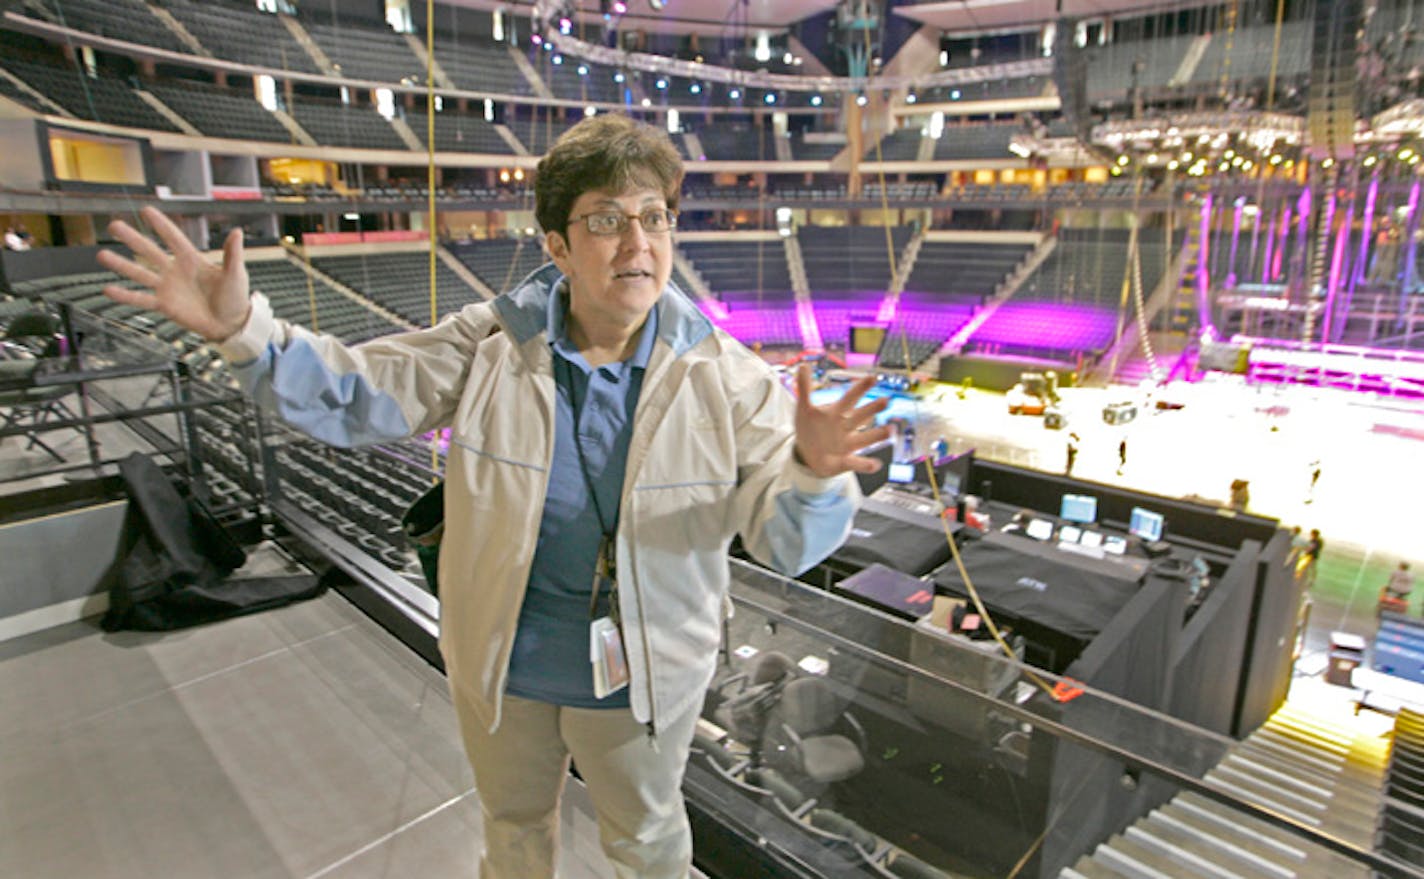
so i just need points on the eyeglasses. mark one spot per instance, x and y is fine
(655, 221)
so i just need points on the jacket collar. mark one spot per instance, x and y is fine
(525, 311)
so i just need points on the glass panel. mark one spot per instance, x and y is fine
(837, 740)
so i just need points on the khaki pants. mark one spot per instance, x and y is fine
(636, 789)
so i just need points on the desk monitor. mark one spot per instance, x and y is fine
(1039, 529)
(1069, 534)
(952, 473)
(1080, 508)
(1146, 524)
(902, 472)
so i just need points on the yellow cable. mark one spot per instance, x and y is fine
(430, 186)
(929, 461)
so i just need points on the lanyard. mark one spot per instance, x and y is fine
(603, 567)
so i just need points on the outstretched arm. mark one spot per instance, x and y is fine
(209, 299)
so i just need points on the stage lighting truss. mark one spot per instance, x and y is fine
(1404, 119)
(569, 44)
(1260, 130)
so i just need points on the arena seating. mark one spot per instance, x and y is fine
(367, 53)
(598, 83)
(400, 282)
(961, 267)
(850, 258)
(1246, 54)
(500, 262)
(286, 287)
(476, 63)
(815, 150)
(218, 112)
(989, 90)
(103, 99)
(737, 141)
(458, 132)
(754, 322)
(539, 130)
(336, 124)
(976, 141)
(741, 266)
(1048, 330)
(923, 323)
(1087, 267)
(900, 145)
(128, 20)
(1116, 68)
(235, 32)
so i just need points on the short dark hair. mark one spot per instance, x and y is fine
(604, 152)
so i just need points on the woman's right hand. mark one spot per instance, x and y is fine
(183, 286)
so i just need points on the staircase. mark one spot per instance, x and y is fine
(1323, 775)
(801, 287)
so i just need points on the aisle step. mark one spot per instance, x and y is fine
(1191, 860)
(1238, 857)
(1310, 857)
(1131, 859)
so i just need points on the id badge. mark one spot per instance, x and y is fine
(610, 668)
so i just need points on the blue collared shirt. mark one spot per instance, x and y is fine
(550, 658)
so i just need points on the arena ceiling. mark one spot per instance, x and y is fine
(717, 17)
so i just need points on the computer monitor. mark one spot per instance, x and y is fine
(1069, 534)
(902, 472)
(952, 473)
(1082, 508)
(1092, 538)
(1115, 544)
(1039, 529)
(1146, 524)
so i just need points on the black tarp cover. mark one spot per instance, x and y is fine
(896, 542)
(1068, 593)
(174, 567)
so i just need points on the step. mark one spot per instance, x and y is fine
(1237, 831)
(1304, 744)
(1138, 861)
(1325, 764)
(1328, 777)
(1308, 856)
(1298, 809)
(1332, 789)
(1250, 861)
(1191, 859)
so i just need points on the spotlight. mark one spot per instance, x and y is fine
(861, 100)
(695, 88)
(536, 39)
(910, 98)
(657, 5)
(583, 70)
(770, 98)
(735, 94)
(618, 77)
(815, 100)
(662, 84)
(566, 25)
(558, 59)
(619, 7)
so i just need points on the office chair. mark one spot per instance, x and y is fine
(743, 712)
(804, 734)
(29, 341)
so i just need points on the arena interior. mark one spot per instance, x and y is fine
(1141, 279)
